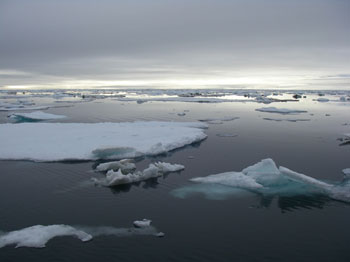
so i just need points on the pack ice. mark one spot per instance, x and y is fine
(267, 179)
(85, 141)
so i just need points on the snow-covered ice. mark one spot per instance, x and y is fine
(114, 178)
(283, 111)
(37, 236)
(142, 223)
(125, 165)
(84, 141)
(267, 179)
(34, 116)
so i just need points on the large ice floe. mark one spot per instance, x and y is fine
(264, 178)
(125, 174)
(34, 116)
(37, 236)
(283, 111)
(86, 141)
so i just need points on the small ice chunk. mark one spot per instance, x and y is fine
(181, 114)
(280, 110)
(227, 135)
(38, 236)
(142, 223)
(160, 234)
(125, 165)
(114, 178)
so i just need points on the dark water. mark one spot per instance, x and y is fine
(241, 228)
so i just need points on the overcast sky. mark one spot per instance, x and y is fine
(165, 42)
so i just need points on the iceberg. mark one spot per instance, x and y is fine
(34, 116)
(283, 111)
(114, 178)
(91, 141)
(37, 236)
(265, 178)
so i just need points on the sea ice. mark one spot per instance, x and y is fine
(265, 178)
(125, 165)
(114, 178)
(85, 141)
(38, 236)
(287, 119)
(283, 111)
(34, 116)
(142, 223)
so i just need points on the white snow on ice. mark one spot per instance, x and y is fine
(37, 236)
(283, 111)
(125, 165)
(114, 178)
(84, 141)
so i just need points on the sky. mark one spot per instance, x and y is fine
(175, 44)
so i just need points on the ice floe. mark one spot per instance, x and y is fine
(34, 116)
(84, 141)
(265, 178)
(37, 236)
(283, 111)
(154, 170)
(287, 119)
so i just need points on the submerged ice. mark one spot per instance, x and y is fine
(265, 178)
(283, 111)
(86, 141)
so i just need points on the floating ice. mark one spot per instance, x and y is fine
(114, 178)
(346, 172)
(226, 135)
(82, 141)
(264, 178)
(125, 165)
(38, 236)
(34, 116)
(287, 119)
(142, 223)
(217, 120)
(283, 111)
(322, 99)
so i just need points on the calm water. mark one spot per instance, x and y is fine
(241, 228)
